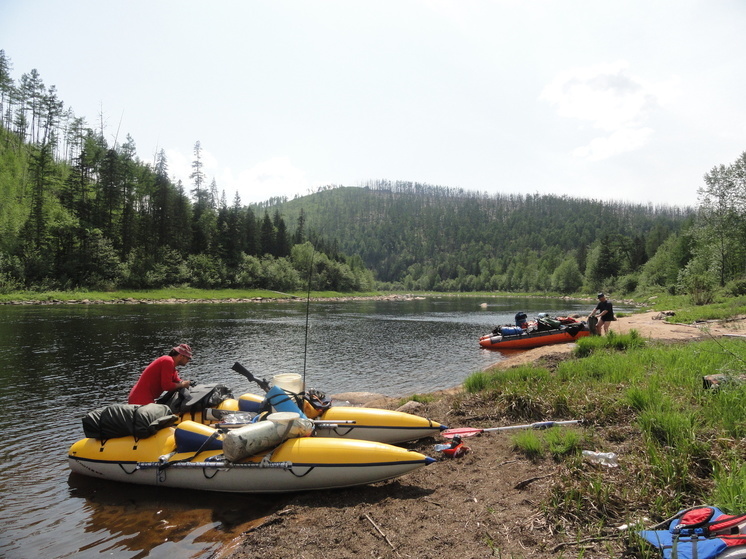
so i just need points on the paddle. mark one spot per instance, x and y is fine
(240, 369)
(469, 432)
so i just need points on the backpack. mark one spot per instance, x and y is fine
(195, 399)
(701, 533)
(521, 319)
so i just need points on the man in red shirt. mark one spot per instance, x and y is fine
(161, 376)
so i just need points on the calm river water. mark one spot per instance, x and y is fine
(59, 362)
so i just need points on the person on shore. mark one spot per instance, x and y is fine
(605, 313)
(161, 376)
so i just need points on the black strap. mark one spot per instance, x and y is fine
(212, 436)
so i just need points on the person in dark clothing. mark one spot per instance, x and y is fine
(605, 314)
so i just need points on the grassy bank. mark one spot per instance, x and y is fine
(678, 443)
(186, 294)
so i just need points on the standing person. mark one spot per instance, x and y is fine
(605, 314)
(161, 376)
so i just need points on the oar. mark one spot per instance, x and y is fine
(469, 432)
(241, 370)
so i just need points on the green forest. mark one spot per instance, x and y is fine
(77, 212)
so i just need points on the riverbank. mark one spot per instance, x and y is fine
(279, 298)
(205, 296)
(491, 502)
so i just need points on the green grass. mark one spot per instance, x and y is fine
(589, 344)
(528, 443)
(730, 484)
(718, 311)
(187, 293)
(678, 443)
(421, 398)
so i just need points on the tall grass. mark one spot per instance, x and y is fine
(590, 344)
(558, 442)
(730, 485)
(725, 408)
(679, 443)
(722, 310)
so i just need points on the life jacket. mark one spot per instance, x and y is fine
(701, 533)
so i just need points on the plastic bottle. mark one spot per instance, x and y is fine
(604, 458)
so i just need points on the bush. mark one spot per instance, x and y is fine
(697, 282)
(205, 272)
(736, 287)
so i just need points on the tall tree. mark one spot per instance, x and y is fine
(198, 180)
(129, 169)
(267, 235)
(721, 225)
(299, 235)
(282, 240)
(6, 88)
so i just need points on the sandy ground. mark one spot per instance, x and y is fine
(485, 504)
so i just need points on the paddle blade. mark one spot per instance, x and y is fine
(461, 432)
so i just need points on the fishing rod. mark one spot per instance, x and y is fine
(308, 307)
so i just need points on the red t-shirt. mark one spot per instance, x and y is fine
(158, 377)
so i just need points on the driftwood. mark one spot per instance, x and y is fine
(384, 536)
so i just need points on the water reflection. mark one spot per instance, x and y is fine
(59, 362)
(153, 521)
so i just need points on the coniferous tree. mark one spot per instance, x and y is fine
(282, 239)
(6, 89)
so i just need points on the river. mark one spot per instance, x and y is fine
(59, 362)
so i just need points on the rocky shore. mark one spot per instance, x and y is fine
(181, 301)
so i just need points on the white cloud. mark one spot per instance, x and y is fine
(619, 141)
(276, 176)
(179, 166)
(612, 100)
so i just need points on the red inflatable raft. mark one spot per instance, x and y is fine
(527, 339)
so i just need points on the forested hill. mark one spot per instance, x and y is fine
(428, 237)
(79, 212)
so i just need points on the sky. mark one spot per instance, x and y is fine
(630, 101)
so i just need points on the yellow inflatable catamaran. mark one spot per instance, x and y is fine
(369, 424)
(272, 456)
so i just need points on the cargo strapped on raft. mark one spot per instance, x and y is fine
(123, 420)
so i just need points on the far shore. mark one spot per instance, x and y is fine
(166, 297)
(185, 301)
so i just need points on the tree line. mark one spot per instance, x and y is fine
(78, 212)
(424, 237)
